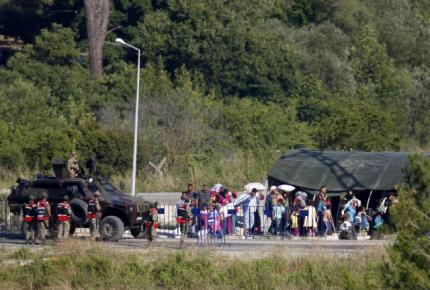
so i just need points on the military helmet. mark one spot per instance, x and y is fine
(44, 194)
(97, 193)
(66, 198)
(31, 197)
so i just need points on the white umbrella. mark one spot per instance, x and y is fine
(286, 187)
(217, 187)
(260, 187)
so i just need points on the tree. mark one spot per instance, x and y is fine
(233, 44)
(357, 125)
(409, 258)
(97, 16)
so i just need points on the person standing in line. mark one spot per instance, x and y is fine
(152, 223)
(183, 216)
(43, 213)
(249, 205)
(278, 213)
(204, 197)
(94, 210)
(29, 219)
(362, 220)
(346, 228)
(64, 213)
(328, 220)
(268, 210)
(320, 204)
(351, 212)
(295, 221)
(310, 222)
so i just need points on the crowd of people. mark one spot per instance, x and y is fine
(282, 211)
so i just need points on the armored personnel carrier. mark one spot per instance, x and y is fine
(119, 211)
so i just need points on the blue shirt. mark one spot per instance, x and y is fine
(351, 214)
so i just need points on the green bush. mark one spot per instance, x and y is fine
(409, 262)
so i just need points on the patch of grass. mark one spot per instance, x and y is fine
(84, 266)
(22, 254)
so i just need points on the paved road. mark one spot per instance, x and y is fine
(249, 248)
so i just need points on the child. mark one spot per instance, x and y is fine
(362, 220)
(214, 227)
(345, 228)
(278, 211)
(295, 222)
(328, 220)
(310, 222)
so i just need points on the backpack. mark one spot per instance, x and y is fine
(378, 222)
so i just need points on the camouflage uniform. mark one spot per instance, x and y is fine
(152, 224)
(29, 219)
(63, 218)
(43, 212)
(94, 210)
(73, 165)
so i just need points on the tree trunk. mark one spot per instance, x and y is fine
(97, 16)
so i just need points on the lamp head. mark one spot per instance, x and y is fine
(120, 41)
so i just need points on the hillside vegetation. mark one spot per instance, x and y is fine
(226, 86)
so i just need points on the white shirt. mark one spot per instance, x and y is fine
(253, 204)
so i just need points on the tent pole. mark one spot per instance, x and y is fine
(370, 195)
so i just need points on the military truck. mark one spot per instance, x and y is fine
(119, 211)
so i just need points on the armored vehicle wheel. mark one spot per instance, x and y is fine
(79, 211)
(111, 228)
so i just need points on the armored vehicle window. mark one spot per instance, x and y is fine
(105, 187)
(74, 187)
(108, 187)
(53, 189)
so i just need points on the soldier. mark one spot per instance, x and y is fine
(29, 214)
(73, 165)
(93, 215)
(183, 215)
(63, 218)
(152, 223)
(43, 212)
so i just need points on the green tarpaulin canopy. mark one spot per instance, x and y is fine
(340, 170)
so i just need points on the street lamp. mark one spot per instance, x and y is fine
(136, 116)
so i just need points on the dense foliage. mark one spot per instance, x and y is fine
(409, 262)
(219, 79)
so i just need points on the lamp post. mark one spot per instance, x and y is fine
(136, 116)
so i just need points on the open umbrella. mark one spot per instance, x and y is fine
(217, 187)
(286, 187)
(260, 187)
